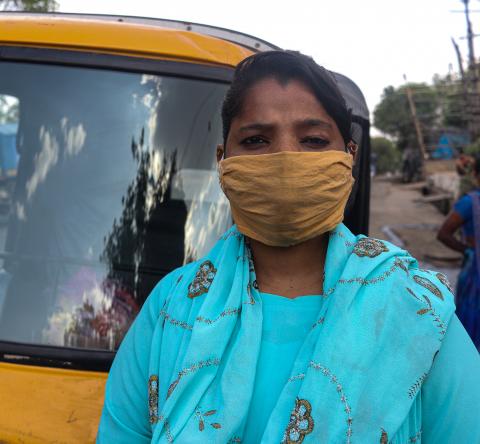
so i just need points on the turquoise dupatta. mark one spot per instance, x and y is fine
(356, 378)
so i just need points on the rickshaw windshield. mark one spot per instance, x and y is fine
(107, 182)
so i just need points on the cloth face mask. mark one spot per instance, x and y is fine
(286, 198)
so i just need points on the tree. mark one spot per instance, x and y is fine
(29, 5)
(452, 101)
(387, 155)
(9, 112)
(392, 115)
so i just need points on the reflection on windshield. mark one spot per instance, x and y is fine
(114, 185)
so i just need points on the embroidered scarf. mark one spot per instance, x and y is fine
(355, 377)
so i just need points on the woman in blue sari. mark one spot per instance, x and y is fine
(466, 216)
(291, 329)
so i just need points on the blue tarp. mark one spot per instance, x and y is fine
(448, 144)
(8, 147)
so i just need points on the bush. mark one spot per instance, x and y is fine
(473, 149)
(385, 155)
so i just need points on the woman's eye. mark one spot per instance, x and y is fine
(319, 142)
(254, 140)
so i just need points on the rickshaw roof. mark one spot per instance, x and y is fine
(147, 37)
(118, 36)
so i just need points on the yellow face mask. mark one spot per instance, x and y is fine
(286, 198)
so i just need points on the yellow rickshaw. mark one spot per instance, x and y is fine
(107, 182)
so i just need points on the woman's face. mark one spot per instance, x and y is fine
(277, 118)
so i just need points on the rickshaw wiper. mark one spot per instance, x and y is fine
(55, 356)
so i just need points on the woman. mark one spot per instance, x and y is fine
(291, 329)
(466, 215)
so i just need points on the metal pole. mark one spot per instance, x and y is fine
(466, 96)
(418, 129)
(471, 52)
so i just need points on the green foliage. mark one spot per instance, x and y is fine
(451, 101)
(389, 157)
(29, 5)
(473, 149)
(392, 115)
(439, 106)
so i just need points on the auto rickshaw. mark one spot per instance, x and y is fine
(108, 183)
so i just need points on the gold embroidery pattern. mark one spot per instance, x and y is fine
(189, 370)
(153, 399)
(368, 247)
(399, 263)
(443, 279)
(334, 380)
(301, 423)
(224, 313)
(189, 327)
(300, 376)
(340, 234)
(203, 280)
(429, 309)
(168, 432)
(319, 322)
(413, 390)
(372, 281)
(429, 285)
(201, 419)
(232, 234)
(251, 300)
(362, 281)
(166, 424)
(384, 437)
(176, 322)
(234, 440)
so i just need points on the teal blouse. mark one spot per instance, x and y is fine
(286, 323)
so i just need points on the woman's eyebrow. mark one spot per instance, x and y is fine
(257, 127)
(314, 122)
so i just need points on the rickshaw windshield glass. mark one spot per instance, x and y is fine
(107, 182)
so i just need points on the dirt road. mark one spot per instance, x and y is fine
(395, 215)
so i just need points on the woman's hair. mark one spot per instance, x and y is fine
(285, 66)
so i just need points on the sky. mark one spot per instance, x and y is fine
(374, 42)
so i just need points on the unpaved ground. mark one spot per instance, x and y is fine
(397, 217)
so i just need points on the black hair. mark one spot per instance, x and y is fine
(285, 66)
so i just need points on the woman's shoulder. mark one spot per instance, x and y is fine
(392, 268)
(464, 204)
(163, 289)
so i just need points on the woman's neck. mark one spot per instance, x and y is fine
(291, 271)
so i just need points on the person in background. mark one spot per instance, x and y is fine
(464, 166)
(465, 216)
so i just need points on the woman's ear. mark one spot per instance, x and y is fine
(220, 152)
(352, 148)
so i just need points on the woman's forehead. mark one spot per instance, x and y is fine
(270, 99)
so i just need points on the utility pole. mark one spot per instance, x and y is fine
(470, 36)
(472, 79)
(465, 94)
(418, 129)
